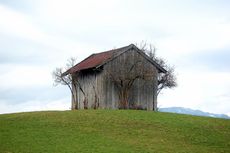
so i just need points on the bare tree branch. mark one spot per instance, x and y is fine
(165, 80)
(59, 78)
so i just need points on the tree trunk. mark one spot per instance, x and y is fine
(123, 96)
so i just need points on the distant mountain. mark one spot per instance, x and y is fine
(182, 110)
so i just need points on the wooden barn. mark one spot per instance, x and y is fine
(97, 81)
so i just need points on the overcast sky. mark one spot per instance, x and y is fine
(37, 36)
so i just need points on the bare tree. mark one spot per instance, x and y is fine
(165, 80)
(68, 80)
(123, 76)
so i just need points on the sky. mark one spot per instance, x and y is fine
(38, 36)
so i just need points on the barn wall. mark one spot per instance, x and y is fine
(87, 81)
(97, 89)
(142, 94)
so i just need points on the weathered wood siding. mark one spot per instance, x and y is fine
(97, 86)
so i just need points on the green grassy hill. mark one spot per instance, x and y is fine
(107, 131)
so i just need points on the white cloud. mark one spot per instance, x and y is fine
(15, 76)
(28, 106)
(17, 24)
(200, 90)
(194, 37)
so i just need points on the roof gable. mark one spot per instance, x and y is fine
(99, 59)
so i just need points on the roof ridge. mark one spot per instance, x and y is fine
(98, 59)
(113, 49)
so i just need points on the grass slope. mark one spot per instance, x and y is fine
(112, 131)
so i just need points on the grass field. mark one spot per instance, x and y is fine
(107, 131)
